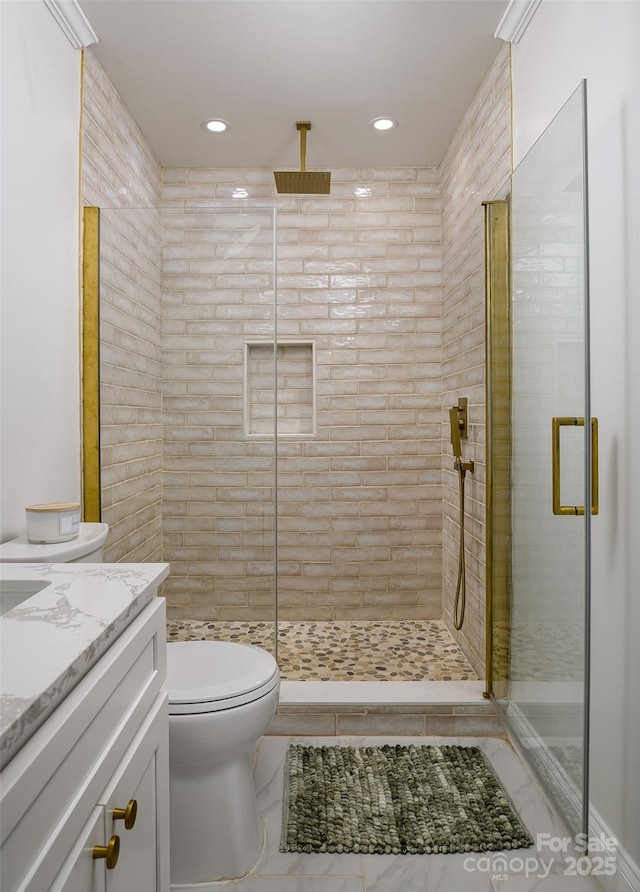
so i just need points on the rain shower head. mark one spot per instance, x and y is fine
(303, 182)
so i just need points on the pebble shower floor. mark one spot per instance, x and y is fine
(409, 650)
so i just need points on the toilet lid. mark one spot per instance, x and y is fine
(207, 676)
(91, 537)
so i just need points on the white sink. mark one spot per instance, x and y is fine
(15, 591)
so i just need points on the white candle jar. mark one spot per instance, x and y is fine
(53, 522)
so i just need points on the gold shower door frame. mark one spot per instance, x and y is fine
(498, 426)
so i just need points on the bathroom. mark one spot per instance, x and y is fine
(40, 189)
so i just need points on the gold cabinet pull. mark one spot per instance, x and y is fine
(111, 852)
(128, 814)
(556, 424)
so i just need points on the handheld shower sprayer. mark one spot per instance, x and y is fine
(459, 431)
(454, 420)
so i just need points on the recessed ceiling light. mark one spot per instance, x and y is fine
(215, 125)
(384, 123)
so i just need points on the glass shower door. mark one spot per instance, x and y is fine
(552, 491)
(186, 373)
(219, 439)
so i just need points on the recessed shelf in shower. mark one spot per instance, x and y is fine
(291, 390)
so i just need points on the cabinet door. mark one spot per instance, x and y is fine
(81, 872)
(142, 776)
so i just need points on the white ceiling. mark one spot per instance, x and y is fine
(263, 64)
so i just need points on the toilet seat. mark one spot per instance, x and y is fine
(211, 676)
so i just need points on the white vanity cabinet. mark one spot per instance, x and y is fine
(65, 794)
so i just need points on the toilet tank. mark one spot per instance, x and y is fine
(87, 547)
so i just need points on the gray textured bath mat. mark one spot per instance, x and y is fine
(396, 800)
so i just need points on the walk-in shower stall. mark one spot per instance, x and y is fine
(272, 426)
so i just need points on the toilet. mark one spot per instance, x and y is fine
(222, 697)
(87, 547)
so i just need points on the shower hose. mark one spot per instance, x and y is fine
(461, 586)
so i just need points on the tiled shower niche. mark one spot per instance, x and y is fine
(286, 391)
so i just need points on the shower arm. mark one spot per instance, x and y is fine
(303, 127)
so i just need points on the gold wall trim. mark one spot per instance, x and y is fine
(498, 420)
(91, 365)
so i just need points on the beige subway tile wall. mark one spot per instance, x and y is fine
(359, 465)
(121, 176)
(476, 164)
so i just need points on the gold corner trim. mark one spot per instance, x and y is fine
(91, 365)
(498, 427)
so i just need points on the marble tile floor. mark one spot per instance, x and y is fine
(522, 870)
(400, 650)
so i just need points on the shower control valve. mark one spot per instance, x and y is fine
(462, 409)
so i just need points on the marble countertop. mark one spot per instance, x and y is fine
(51, 640)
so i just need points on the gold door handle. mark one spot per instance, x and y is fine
(111, 852)
(128, 814)
(556, 424)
